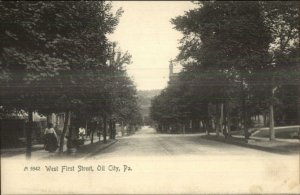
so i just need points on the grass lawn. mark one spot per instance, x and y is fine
(287, 132)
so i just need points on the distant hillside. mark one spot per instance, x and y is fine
(149, 93)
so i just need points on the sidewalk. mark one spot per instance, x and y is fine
(39, 153)
(17, 151)
(280, 146)
(84, 151)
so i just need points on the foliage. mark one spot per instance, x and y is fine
(233, 53)
(56, 57)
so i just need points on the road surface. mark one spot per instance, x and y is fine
(191, 164)
(149, 163)
(146, 142)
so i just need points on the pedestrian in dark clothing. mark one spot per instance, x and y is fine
(51, 143)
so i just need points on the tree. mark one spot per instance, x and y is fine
(282, 19)
(51, 52)
(122, 98)
(221, 38)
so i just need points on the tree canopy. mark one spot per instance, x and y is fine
(234, 54)
(56, 57)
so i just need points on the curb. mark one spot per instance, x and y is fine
(267, 139)
(100, 149)
(233, 142)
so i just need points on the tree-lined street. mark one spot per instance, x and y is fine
(75, 119)
(146, 142)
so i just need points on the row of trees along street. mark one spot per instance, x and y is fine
(56, 58)
(240, 60)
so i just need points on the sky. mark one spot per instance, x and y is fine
(145, 31)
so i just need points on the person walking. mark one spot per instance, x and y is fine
(81, 134)
(51, 143)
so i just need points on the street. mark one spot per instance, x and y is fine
(146, 142)
(147, 162)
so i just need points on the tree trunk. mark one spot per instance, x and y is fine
(221, 117)
(122, 128)
(298, 101)
(271, 113)
(298, 81)
(29, 135)
(92, 136)
(206, 126)
(228, 125)
(225, 122)
(217, 122)
(99, 130)
(110, 129)
(207, 121)
(228, 119)
(86, 129)
(272, 131)
(243, 100)
(65, 129)
(104, 128)
(114, 130)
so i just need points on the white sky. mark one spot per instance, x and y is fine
(145, 31)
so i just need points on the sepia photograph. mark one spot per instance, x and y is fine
(150, 97)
